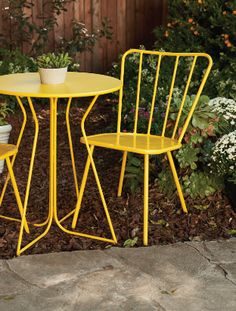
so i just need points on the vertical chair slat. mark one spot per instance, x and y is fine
(185, 126)
(154, 94)
(138, 93)
(121, 92)
(170, 96)
(184, 96)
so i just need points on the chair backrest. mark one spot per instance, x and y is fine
(156, 77)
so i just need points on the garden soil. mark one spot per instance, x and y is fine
(208, 219)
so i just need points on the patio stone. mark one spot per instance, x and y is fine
(193, 276)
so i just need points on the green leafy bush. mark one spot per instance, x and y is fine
(35, 33)
(133, 172)
(200, 185)
(15, 61)
(192, 160)
(204, 26)
(24, 30)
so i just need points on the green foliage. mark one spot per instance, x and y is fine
(204, 26)
(35, 34)
(52, 60)
(4, 111)
(26, 31)
(82, 39)
(15, 61)
(188, 156)
(231, 231)
(165, 182)
(133, 172)
(131, 242)
(199, 184)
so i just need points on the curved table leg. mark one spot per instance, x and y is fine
(113, 239)
(72, 157)
(48, 222)
(71, 146)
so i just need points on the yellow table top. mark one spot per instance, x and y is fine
(77, 84)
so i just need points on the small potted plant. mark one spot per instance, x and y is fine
(5, 128)
(53, 67)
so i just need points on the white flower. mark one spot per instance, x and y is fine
(224, 107)
(224, 154)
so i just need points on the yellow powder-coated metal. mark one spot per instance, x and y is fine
(17, 145)
(76, 85)
(7, 151)
(147, 143)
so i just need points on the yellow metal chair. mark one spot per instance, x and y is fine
(6, 151)
(169, 139)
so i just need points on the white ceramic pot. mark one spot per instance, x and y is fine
(52, 76)
(4, 137)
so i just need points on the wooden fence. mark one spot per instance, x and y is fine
(132, 24)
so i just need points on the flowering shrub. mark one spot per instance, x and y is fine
(224, 156)
(203, 26)
(224, 151)
(226, 110)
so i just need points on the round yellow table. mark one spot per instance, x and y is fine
(28, 85)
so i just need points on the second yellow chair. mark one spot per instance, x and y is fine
(6, 151)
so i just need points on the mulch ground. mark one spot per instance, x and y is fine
(167, 223)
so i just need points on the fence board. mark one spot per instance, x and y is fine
(97, 51)
(132, 22)
(112, 44)
(121, 25)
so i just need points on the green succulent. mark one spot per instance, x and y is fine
(4, 111)
(52, 60)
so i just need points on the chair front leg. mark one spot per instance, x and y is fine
(145, 199)
(176, 179)
(122, 173)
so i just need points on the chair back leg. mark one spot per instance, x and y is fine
(176, 179)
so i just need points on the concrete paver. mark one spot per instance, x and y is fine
(192, 276)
